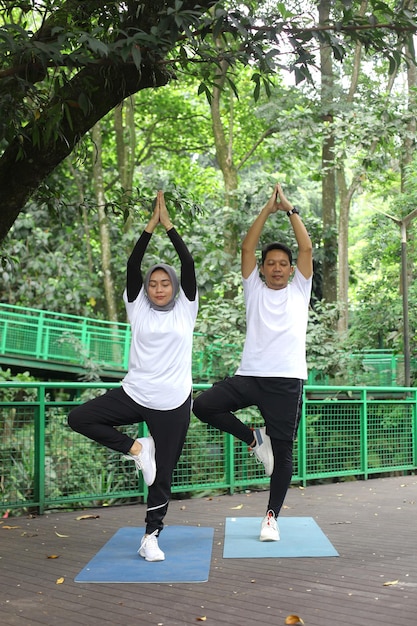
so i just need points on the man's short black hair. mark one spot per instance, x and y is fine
(276, 246)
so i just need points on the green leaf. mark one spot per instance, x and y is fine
(137, 56)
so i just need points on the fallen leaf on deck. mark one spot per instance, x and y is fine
(87, 517)
(201, 619)
(234, 508)
(10, 527)
(58, 535)
(53, 556)
(293, 619)
(391, 582)
(59, 581)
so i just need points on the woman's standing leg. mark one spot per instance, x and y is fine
(169, 430)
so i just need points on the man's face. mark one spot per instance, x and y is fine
(160, 287)
(276, 269)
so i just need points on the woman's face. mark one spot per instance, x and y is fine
(160, 288)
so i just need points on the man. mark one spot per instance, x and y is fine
(273, 364)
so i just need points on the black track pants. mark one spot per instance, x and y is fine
(99, 418)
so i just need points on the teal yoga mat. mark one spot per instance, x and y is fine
(187, 558)
(300, 537)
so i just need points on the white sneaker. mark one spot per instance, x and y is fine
(145, 460)
(269, 528)
(149, 548)
(263, 450)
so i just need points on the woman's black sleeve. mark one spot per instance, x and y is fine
(134, 279)
(188, 278)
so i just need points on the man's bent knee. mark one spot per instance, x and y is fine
(200, 409)
(74, 419)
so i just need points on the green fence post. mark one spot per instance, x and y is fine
(126, 349)
(364, 434)
(414, 429)
(39, 456)
(3, 337)
(301, 443)
(39, 337)
(230, 462)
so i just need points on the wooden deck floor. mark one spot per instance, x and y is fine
(372, 524)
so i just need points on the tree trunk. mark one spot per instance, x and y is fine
(224, 153)
(79, 185)
(328, 168)
(103, 225)
(345, 198)
(124, 125)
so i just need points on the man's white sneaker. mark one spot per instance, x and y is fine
(145, 460)
(149, 548)
(269, 528)
(263, 450)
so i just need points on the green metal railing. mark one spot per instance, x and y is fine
(345, 431)
(56, 337)
(37, 339)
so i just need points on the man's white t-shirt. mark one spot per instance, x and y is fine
(276, 326)
(160, 358)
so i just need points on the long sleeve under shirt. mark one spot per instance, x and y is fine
(159, 374)
(276, 326)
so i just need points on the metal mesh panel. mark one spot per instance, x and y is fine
(390, 436)
(201, 464)
(77, 469)
(17, 456)
(333, 439)
(44, 464)
(19, 336)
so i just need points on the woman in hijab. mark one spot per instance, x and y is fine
(157, 387)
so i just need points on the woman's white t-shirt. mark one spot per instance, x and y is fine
(160, 358)
(276, 326)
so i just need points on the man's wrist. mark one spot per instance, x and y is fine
(293, 211)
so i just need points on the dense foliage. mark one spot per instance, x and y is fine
(68, 64)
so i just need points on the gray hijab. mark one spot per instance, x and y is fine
(175, 286)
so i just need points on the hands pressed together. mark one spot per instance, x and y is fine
(278, 201)
(160, 214)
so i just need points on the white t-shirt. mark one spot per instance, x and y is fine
(159, 374)
(276, 326)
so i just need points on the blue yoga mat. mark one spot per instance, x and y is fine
(300, 537)
(187, 558)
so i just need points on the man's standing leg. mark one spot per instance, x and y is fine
(280, 482)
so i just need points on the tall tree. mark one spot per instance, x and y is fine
(87, 57)
(105, 244)
(328, 168)
(124, 126)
